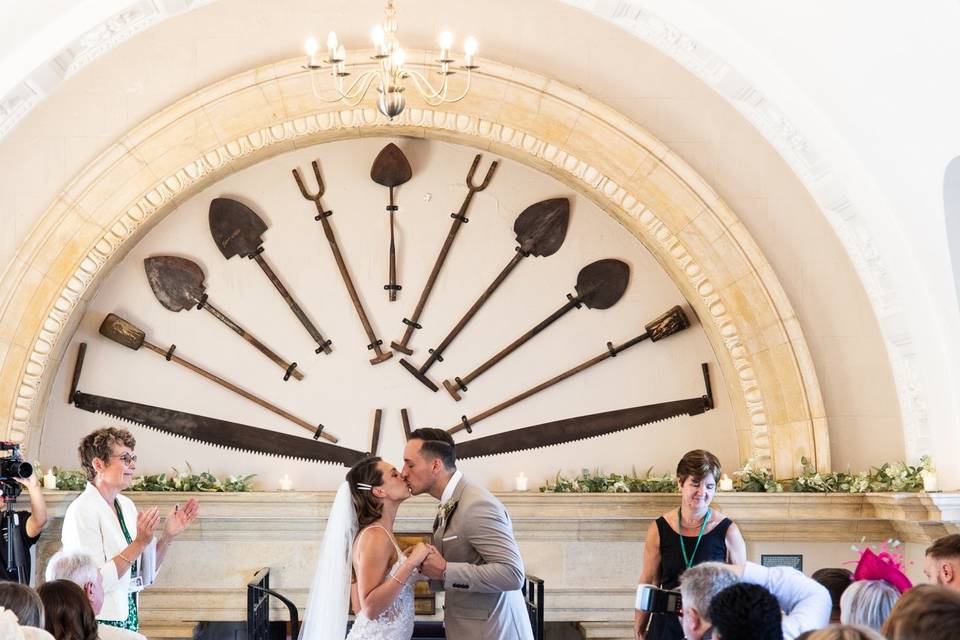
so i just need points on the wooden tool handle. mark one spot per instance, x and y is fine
(241, 392)
(243, 333)
(297, 311)
(375, 442)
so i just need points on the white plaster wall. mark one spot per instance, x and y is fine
(342, 390)
(96, 105)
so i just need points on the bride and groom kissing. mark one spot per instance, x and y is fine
(474, 557)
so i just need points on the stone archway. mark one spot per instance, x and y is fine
(695, 237)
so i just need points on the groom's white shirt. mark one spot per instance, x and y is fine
(451, 487)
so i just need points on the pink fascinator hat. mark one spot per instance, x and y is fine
(886, 565)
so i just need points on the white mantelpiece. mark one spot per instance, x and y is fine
(587, 547)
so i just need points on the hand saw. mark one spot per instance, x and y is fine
(583, 427)
(219, 433)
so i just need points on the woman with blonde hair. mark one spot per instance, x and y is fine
(842, 632)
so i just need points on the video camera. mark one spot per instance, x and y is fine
(11, 468)
(654, 600)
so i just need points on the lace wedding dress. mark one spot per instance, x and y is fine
(396, 622)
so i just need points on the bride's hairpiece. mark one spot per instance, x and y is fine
(363, 486)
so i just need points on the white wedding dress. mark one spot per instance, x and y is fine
(396, 622)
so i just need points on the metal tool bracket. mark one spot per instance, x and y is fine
(286, 376)
(169, 354)
(457, 216)
(439, 357)
(323, 346)
(574, 300)
(316, 436)
(466, 424)
(202, 301)
(415, 325)
(322, 215)
(612, 350)
(374, 345)
(460, 384)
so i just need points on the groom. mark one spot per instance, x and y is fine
(479, 564)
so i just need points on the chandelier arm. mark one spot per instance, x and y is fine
(358, 89)
(439, 98)
(420, 80)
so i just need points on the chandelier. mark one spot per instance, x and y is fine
(390, 73)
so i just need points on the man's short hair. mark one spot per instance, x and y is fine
(437, 443)
(78, 568)
(700, 584)
(945, 548)
(836, 580)
(924, 612)
(746, 612)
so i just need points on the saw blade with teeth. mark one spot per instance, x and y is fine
(583, 427)
(220, 433)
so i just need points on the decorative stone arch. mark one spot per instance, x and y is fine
(702, 245)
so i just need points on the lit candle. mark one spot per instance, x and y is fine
(726, 483)
(50, 480)
(311, 47)
(930, 483)
(446, 41)
(332, 45)
(377, 35)
(469, 49)
(286, 484)
(521, 482)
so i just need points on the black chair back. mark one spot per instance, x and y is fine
(533, 594)
(258, 607)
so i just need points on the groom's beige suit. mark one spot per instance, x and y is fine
(484, 570)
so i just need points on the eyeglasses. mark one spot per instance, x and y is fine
(126, 459)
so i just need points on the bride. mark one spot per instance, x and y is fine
(359, 535)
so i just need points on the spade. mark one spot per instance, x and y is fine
(391, 169)
(178, 284)
(540, 230)
(236, 230)
(599, 285)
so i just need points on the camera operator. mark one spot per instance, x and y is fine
(14, 475)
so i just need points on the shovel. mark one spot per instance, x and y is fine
(391, 169)
(237, 229)
(322, 215)
(129, 335)
(599, 285)
(178, 285)
(540, 230)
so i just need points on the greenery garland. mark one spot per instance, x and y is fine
(76, 480)
(897, 477)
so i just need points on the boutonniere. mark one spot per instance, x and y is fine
(446, 510)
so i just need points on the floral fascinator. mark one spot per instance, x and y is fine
(886, 563)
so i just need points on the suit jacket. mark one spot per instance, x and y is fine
(484, 569)
(90, 526)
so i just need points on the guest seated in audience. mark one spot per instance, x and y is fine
(68, 613)
(925, 612)
(942, 562)
(835, 580)
(23, 601)
(11, 629)
(684, 537)
(868, 603)
(842, 632)
(806, 604)
(745, 612)
(82, 570)
(106, 525)
(30, 524)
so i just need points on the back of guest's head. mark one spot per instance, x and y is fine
(945, 548)
(698, 464)
(701, 583)
(362, 477)
(78, 568)
(69, 615)
(835, 580)
(868, 603)
(746, 612)
(925, 612)
(99, 444)
(23, 601)
(436, 443)
(841, 632)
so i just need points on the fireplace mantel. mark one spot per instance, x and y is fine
(563, 538)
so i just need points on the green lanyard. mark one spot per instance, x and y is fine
(683, 549)
(126, 534)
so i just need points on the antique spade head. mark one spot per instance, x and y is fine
(235, 227)
(177, 282)
(122, 332)
(541, 227)
(391, 168)
(601, 284)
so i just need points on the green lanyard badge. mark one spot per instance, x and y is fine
(689, 561)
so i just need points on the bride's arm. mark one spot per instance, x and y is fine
(377, 589)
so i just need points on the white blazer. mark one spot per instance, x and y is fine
(90, 526)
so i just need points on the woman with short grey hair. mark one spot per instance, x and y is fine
(868, 603)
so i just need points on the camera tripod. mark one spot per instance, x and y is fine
(16, 554)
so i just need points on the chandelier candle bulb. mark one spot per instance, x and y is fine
(469, 50)
(332, 46)
(446, 41)
(50, 480)
(286, 484)
(930, 482)
(726, 483)
(311, 47)
(521, 482)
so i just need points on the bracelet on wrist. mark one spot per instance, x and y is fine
(126, 559)
(397, 580)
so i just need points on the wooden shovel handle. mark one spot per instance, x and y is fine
(262, 348)
(324, 345)
(241, 392)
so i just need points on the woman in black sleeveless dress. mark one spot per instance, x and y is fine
(684, 537)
